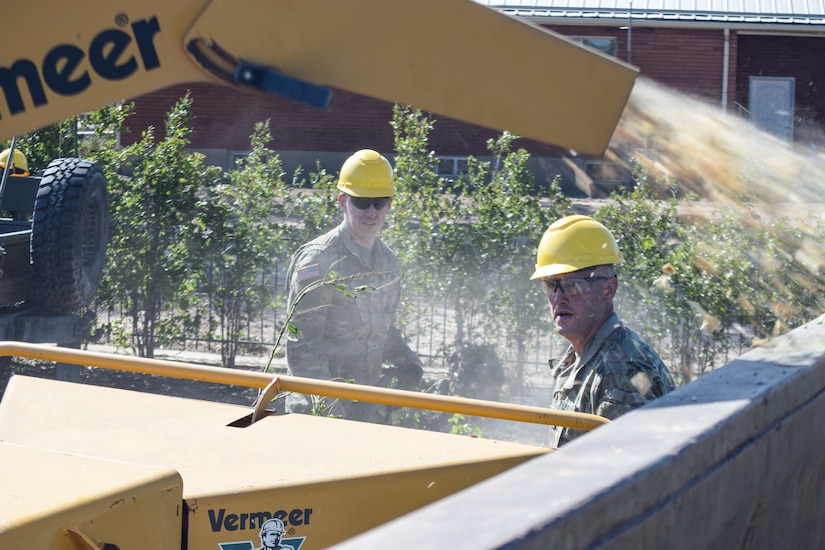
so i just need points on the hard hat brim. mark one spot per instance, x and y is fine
(556, 269)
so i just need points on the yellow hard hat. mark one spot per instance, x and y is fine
(366, 174)
(20, 164)
(573, 243)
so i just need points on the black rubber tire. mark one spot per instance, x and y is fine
(70, 234)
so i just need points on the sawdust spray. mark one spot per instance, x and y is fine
(728, 163)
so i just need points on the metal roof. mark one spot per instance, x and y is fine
(759, 13)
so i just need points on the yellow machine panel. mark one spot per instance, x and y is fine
(453, 57)
(326, 479)
(58, 501)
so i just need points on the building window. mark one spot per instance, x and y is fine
(86, 131)
(452, 167)
(236, 160)
(603, 44)
(604, 172)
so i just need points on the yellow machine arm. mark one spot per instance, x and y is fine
(272, 386)
(452, 57)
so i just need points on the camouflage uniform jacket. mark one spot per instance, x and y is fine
(616, 373)
(343, 337)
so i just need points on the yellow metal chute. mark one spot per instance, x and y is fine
(452, 57)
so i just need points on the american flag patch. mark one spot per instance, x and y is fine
(308, 272)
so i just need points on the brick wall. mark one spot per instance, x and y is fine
(225, 118)
(689, 60)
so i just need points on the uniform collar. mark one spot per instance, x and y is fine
(353, 247)
(608, 327)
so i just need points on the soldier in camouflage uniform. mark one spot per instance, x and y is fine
(347, 338)
(607, 370)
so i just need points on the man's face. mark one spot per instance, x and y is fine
(364, 216)
(272, 539)
(580, 302)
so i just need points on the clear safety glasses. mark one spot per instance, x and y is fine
(572, 285)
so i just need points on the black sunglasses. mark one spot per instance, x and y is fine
(362, 203)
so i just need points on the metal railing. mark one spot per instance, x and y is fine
(273, 386)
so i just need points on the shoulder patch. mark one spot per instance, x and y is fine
(308, 272)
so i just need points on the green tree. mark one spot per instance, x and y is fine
(511, 221)
(237, 236)
(472, 242)
(422, 211)
(693, 283)
(311, 206)
(651, 237)
(151, 252)
(92, 135)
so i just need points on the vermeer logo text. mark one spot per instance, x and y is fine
(68, 69)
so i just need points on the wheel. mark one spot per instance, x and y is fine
(70, 233)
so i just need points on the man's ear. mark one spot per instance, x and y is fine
(610, 288)
(342, 200)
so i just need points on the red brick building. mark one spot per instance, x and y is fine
(766, 64)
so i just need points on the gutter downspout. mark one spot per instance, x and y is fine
(725, 69)
(629, 31)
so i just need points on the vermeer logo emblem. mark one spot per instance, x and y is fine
(272, 532)
(272, 529)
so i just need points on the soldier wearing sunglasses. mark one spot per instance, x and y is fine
(608, 369)
(340, 337)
